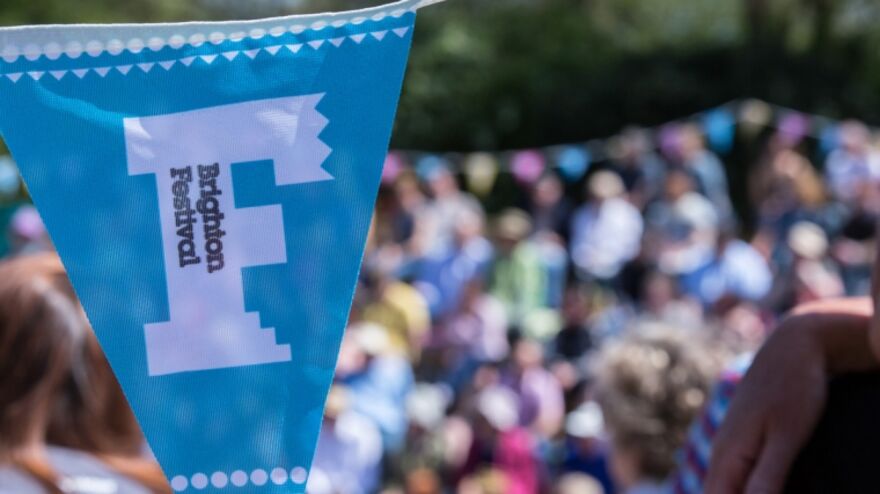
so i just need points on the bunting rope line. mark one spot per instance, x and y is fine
(731, 114)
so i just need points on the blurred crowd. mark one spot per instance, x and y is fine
(570, 342)
(566, 343)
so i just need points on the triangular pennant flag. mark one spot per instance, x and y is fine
(272, 50)
(251, 53)
(124, 69)
(316, 43)
(357, 38)
(167, 64)
(380, 35)
(14, 77)
(230, 55)
(337, 41)
(212, 221)
(401, 31)
(58, 74)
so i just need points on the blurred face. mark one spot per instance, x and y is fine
(678, 184)
(467, 227)
(443, 184)
(574, 307)
(659, 291)
(548, 192)
(408, 193)
(351, 358)
(691, 142)
(854, 137)
(528, 354)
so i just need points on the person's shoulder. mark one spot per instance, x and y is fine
(83, 473)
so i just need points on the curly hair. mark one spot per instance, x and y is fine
(651, 385)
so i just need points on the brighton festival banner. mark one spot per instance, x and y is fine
(209, 187)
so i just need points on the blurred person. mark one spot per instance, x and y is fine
(788, 190)
(575, 339)
(708, 171)
(809, 275)
(578, 483)
(735, 271)
(611, 315)
(410, 204)
(550, 208)
(641, 169)
(541, 405)
(651, 385)
(661, 301)
(682, 226)
(398, 232)
(442, 275)
(586, 450)
(65, 426)
(606, 231)
(500, 443)
(743, 327)
(27, 233)
(853, 163)
(349, 450)
(401, 309)
(423, 481)
(783, 183)
(573, 381)
(377, 380)
(854, 245)
(489, 481)
(475, 335)
(446, 207)
(426, 441)
(551, 214)
(518, 278)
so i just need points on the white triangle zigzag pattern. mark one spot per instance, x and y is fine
(10, 53)
(209, 59)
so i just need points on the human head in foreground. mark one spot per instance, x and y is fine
(65, 425)
(651, 385)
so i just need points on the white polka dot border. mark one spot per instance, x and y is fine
(239, 478)
(10, 52)
(209, 59)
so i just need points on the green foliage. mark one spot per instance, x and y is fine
(17, 12)
(489, 74)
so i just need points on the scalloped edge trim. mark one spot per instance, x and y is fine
(209, 59)
(52, 41)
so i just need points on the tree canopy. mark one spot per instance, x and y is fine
(490, 74)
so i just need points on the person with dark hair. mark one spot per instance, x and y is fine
(65, 426)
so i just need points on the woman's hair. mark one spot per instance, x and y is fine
(651, 385)
(56, 387)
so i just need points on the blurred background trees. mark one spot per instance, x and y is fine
(494, 74)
